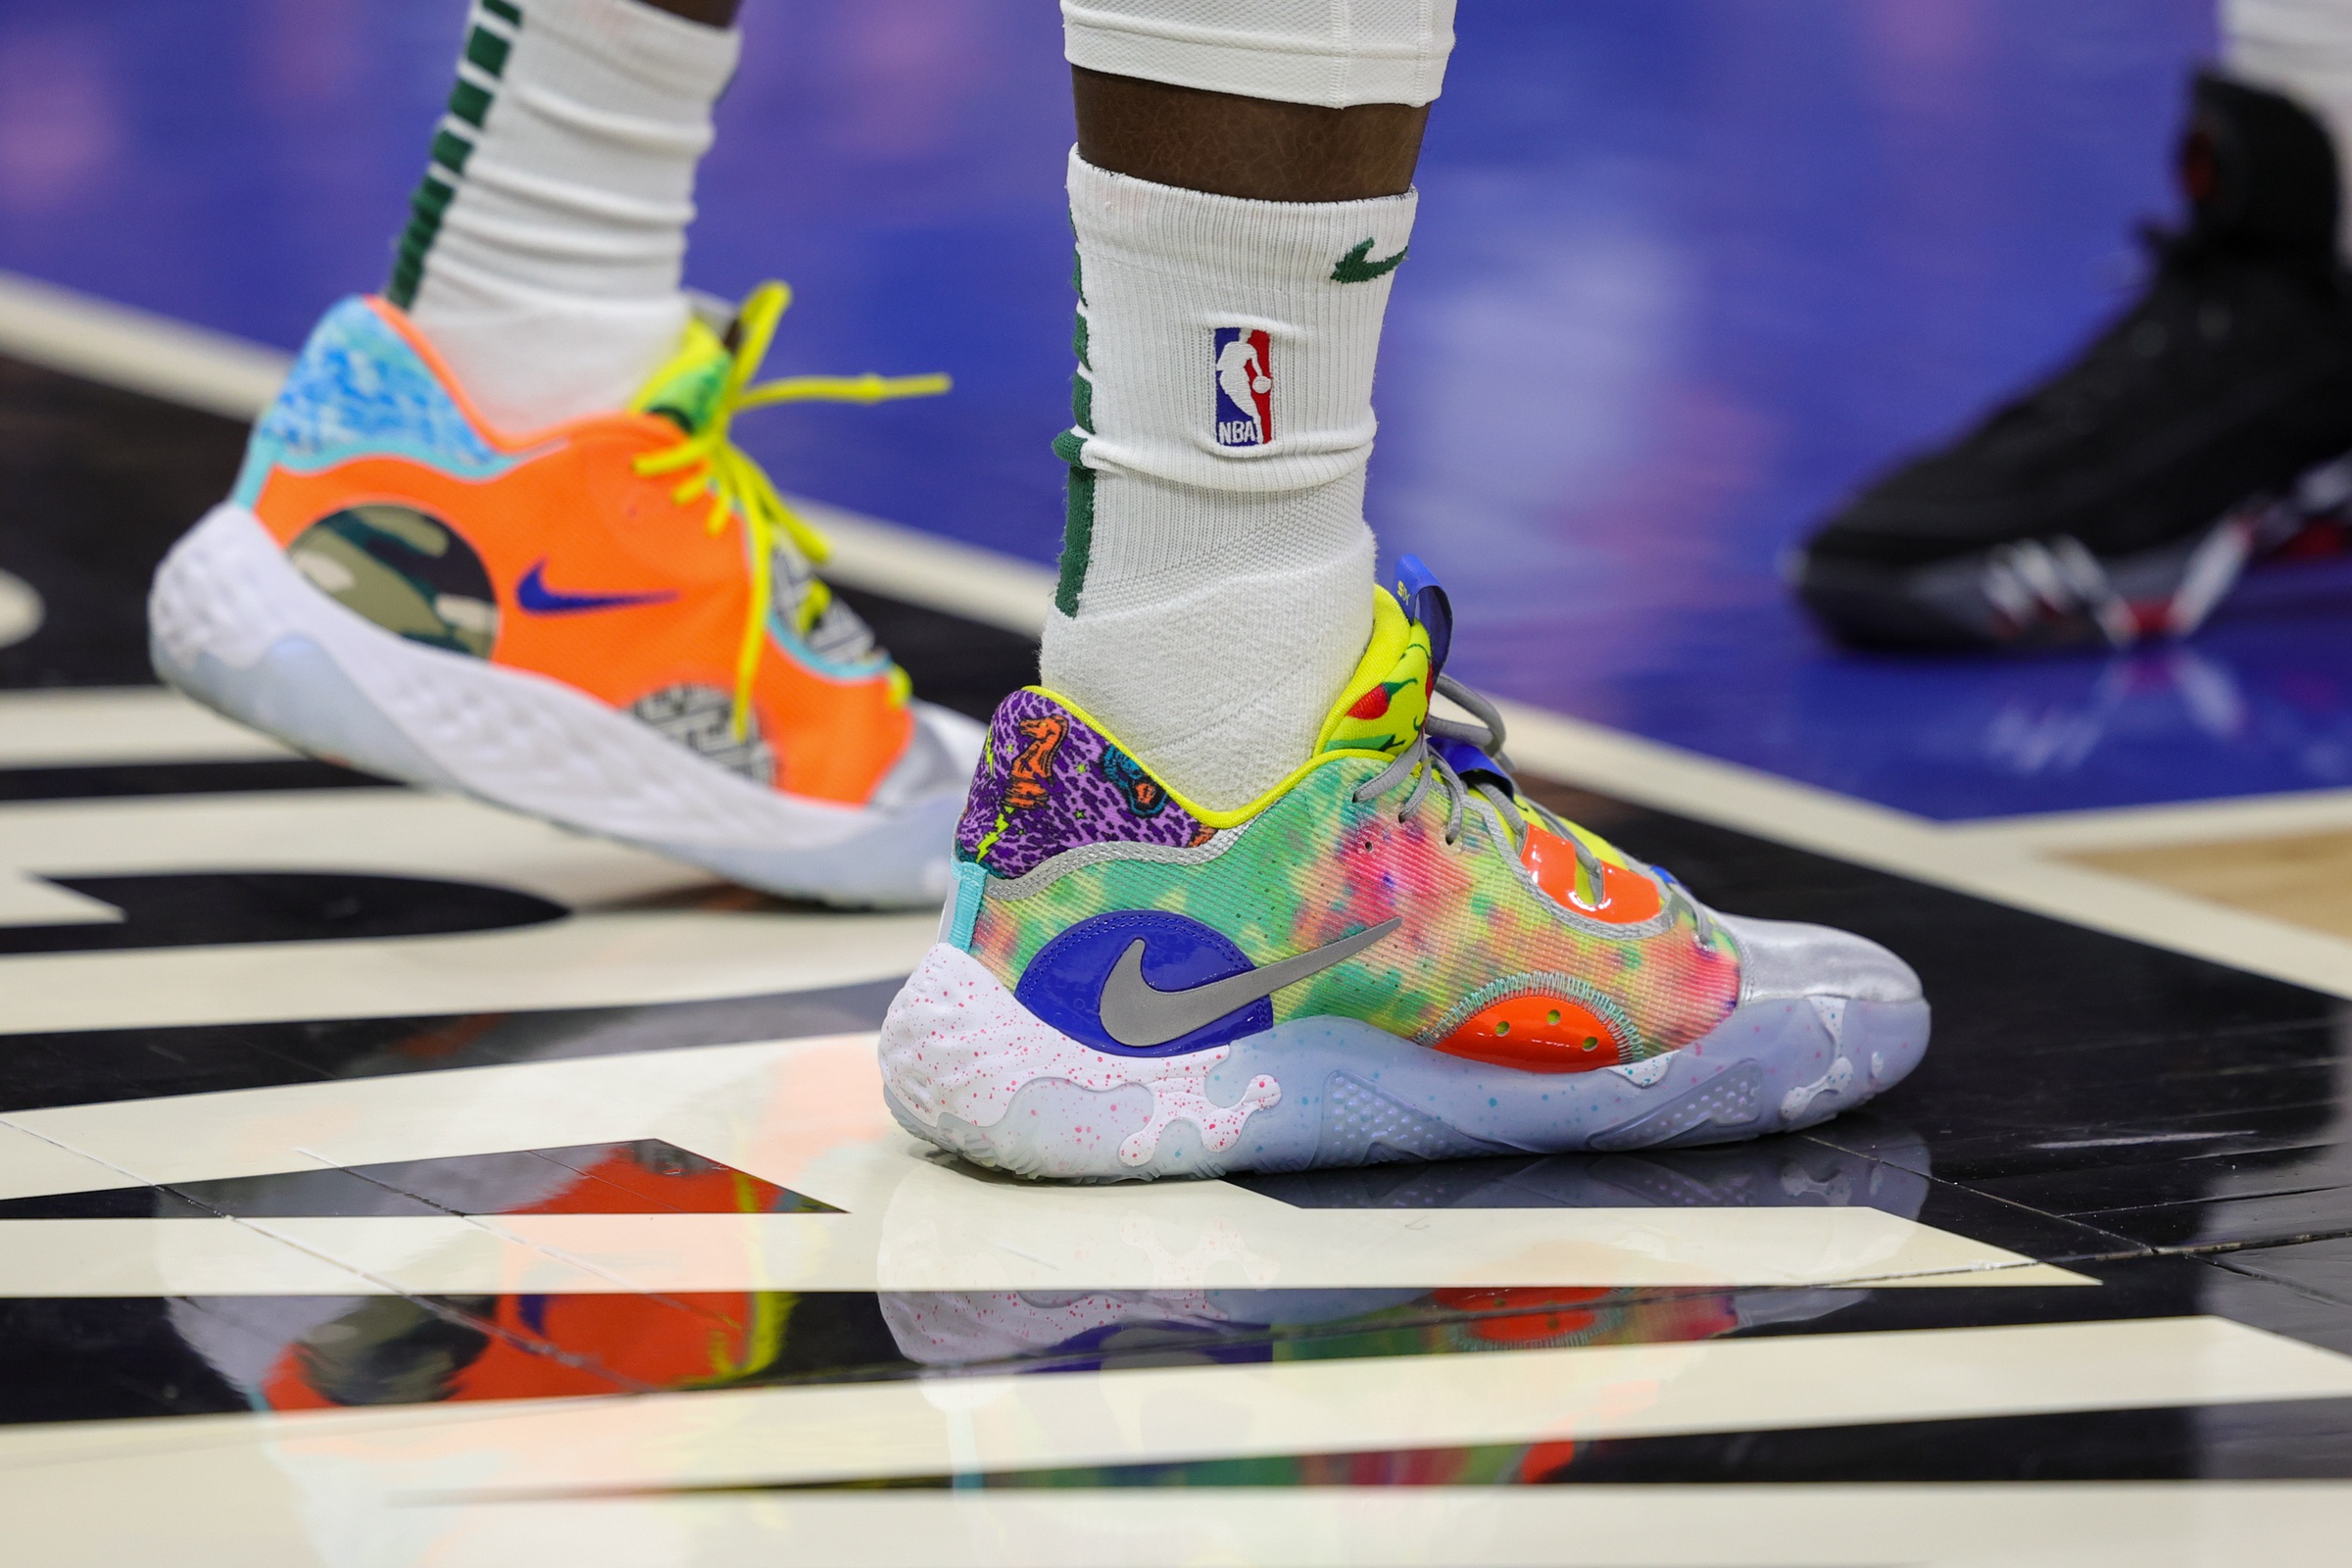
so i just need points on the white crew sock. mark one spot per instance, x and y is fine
(2302, 48)
(1216, 586)
(1333, 53)
(543, 255)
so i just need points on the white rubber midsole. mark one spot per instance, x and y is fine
(966, 1065)
(228, 593)
(957, 1044)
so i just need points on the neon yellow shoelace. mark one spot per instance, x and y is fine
(714, 465)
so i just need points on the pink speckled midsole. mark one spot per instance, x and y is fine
(966, 1065)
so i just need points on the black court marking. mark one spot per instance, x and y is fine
(209, 909)
(117, 780)
(91, 1067)
(134, 1357)
(2285, 1441)
(644, 1176)
(95, 484)
(2289, 1441)
(955, 662)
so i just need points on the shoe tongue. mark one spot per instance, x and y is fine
(686, 390)
(2259, 175)
(1385, 705)
(1424, 602)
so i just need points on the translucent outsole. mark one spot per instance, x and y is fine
(967, 1068)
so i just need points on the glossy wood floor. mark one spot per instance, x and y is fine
(2301, 878)
(344, 1128)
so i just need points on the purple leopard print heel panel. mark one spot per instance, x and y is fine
(1053, 783)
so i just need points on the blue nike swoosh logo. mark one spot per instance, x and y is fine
(534, 595)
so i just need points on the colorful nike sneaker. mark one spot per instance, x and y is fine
(1393, 955)
(614, 625)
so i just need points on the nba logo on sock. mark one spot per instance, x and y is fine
(1244, 387)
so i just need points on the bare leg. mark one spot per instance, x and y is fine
(1249, 147)
(710, 13)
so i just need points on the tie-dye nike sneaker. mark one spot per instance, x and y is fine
(614, 623)
(1395, 954)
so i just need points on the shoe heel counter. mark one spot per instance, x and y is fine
(292, 415)
(360, 388)
(1049, 783)
(977, 828)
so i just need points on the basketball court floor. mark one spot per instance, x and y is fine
(386, 1179)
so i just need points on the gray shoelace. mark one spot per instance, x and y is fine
(1421, 763)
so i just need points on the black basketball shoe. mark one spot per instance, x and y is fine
(2121, 498)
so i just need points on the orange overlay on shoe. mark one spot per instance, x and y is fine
(639, 557)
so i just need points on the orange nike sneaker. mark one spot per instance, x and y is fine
(614, 623)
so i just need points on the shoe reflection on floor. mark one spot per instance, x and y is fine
(309, 1352)
(312, 1352)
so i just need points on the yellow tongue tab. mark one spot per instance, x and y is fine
(1386, 702)
(686, 390)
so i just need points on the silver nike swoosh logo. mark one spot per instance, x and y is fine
(1140, 1015)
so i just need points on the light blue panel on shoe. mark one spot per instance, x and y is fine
(358, 390)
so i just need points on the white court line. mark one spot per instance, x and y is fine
(609, 959)
(605, 954)
(377, 832)
(2205, 1523)
(93, 726)
(936, 573)
(2132, 827)
(118, 345)
(1234, 1240)
(91, 337)
(999, 1422)
(807, 1115)
(2074, 1524)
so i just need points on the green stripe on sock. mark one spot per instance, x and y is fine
(469, 102)
(1077, 535)
(408, 271)
(425, 207)
(1078, 511)
(451, 150)
(488, 50)
(407, 274)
